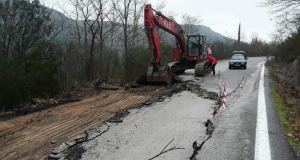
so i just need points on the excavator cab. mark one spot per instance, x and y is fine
(196, 44)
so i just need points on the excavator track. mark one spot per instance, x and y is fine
(201, 70)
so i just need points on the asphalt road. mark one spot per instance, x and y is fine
(145, 132)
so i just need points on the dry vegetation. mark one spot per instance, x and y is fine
(286, 98)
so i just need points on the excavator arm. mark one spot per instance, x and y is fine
(152, 23)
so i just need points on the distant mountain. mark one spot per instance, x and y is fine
(211, 35)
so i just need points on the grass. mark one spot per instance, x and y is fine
(283, 113)
(284, 99)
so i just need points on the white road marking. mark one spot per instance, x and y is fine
(262, 145)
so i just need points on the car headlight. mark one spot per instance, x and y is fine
(242, 63)
(231, 63)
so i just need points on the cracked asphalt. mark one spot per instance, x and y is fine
(146, 131)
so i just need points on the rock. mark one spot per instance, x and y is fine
(209, 127)
(184, 78)
(291, 135)
(127, 87)
(93, 133)
(135, 85)
(205, 95)
(115, 121)
(53, 142)
(38, 101)
(52, 101)
(108, 88)
(46, 152)
(80, 138)
(162, 97)
(160, 100)
(70, 144)
(54, 156)
(32, 106)
(61, 148)
(147, 103)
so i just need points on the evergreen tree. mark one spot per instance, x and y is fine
(239, 34)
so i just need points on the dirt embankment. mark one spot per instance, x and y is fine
(35, 135)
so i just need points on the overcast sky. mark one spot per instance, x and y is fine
(223, 16)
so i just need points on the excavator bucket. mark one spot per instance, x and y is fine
(162, 76)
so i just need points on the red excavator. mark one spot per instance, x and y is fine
(187, 55)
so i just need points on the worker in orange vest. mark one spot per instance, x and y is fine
(212, 62)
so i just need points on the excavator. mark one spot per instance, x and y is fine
(190, 54)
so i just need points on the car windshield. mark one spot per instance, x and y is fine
(238, 57)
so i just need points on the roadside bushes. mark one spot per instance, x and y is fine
(138, 60)
(289, 53)
(289, 50)
(22, 79)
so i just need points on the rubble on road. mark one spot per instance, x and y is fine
(184, 78)
(118, 117)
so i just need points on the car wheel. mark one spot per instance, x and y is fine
(245, 67)
(229, 67)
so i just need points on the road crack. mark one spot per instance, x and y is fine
(209, 131)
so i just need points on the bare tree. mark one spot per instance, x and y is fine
(287, 14)
(280, 34)
(287, 9)
(256, 42)
(89, 28)
(130, 13)
(190, 24)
